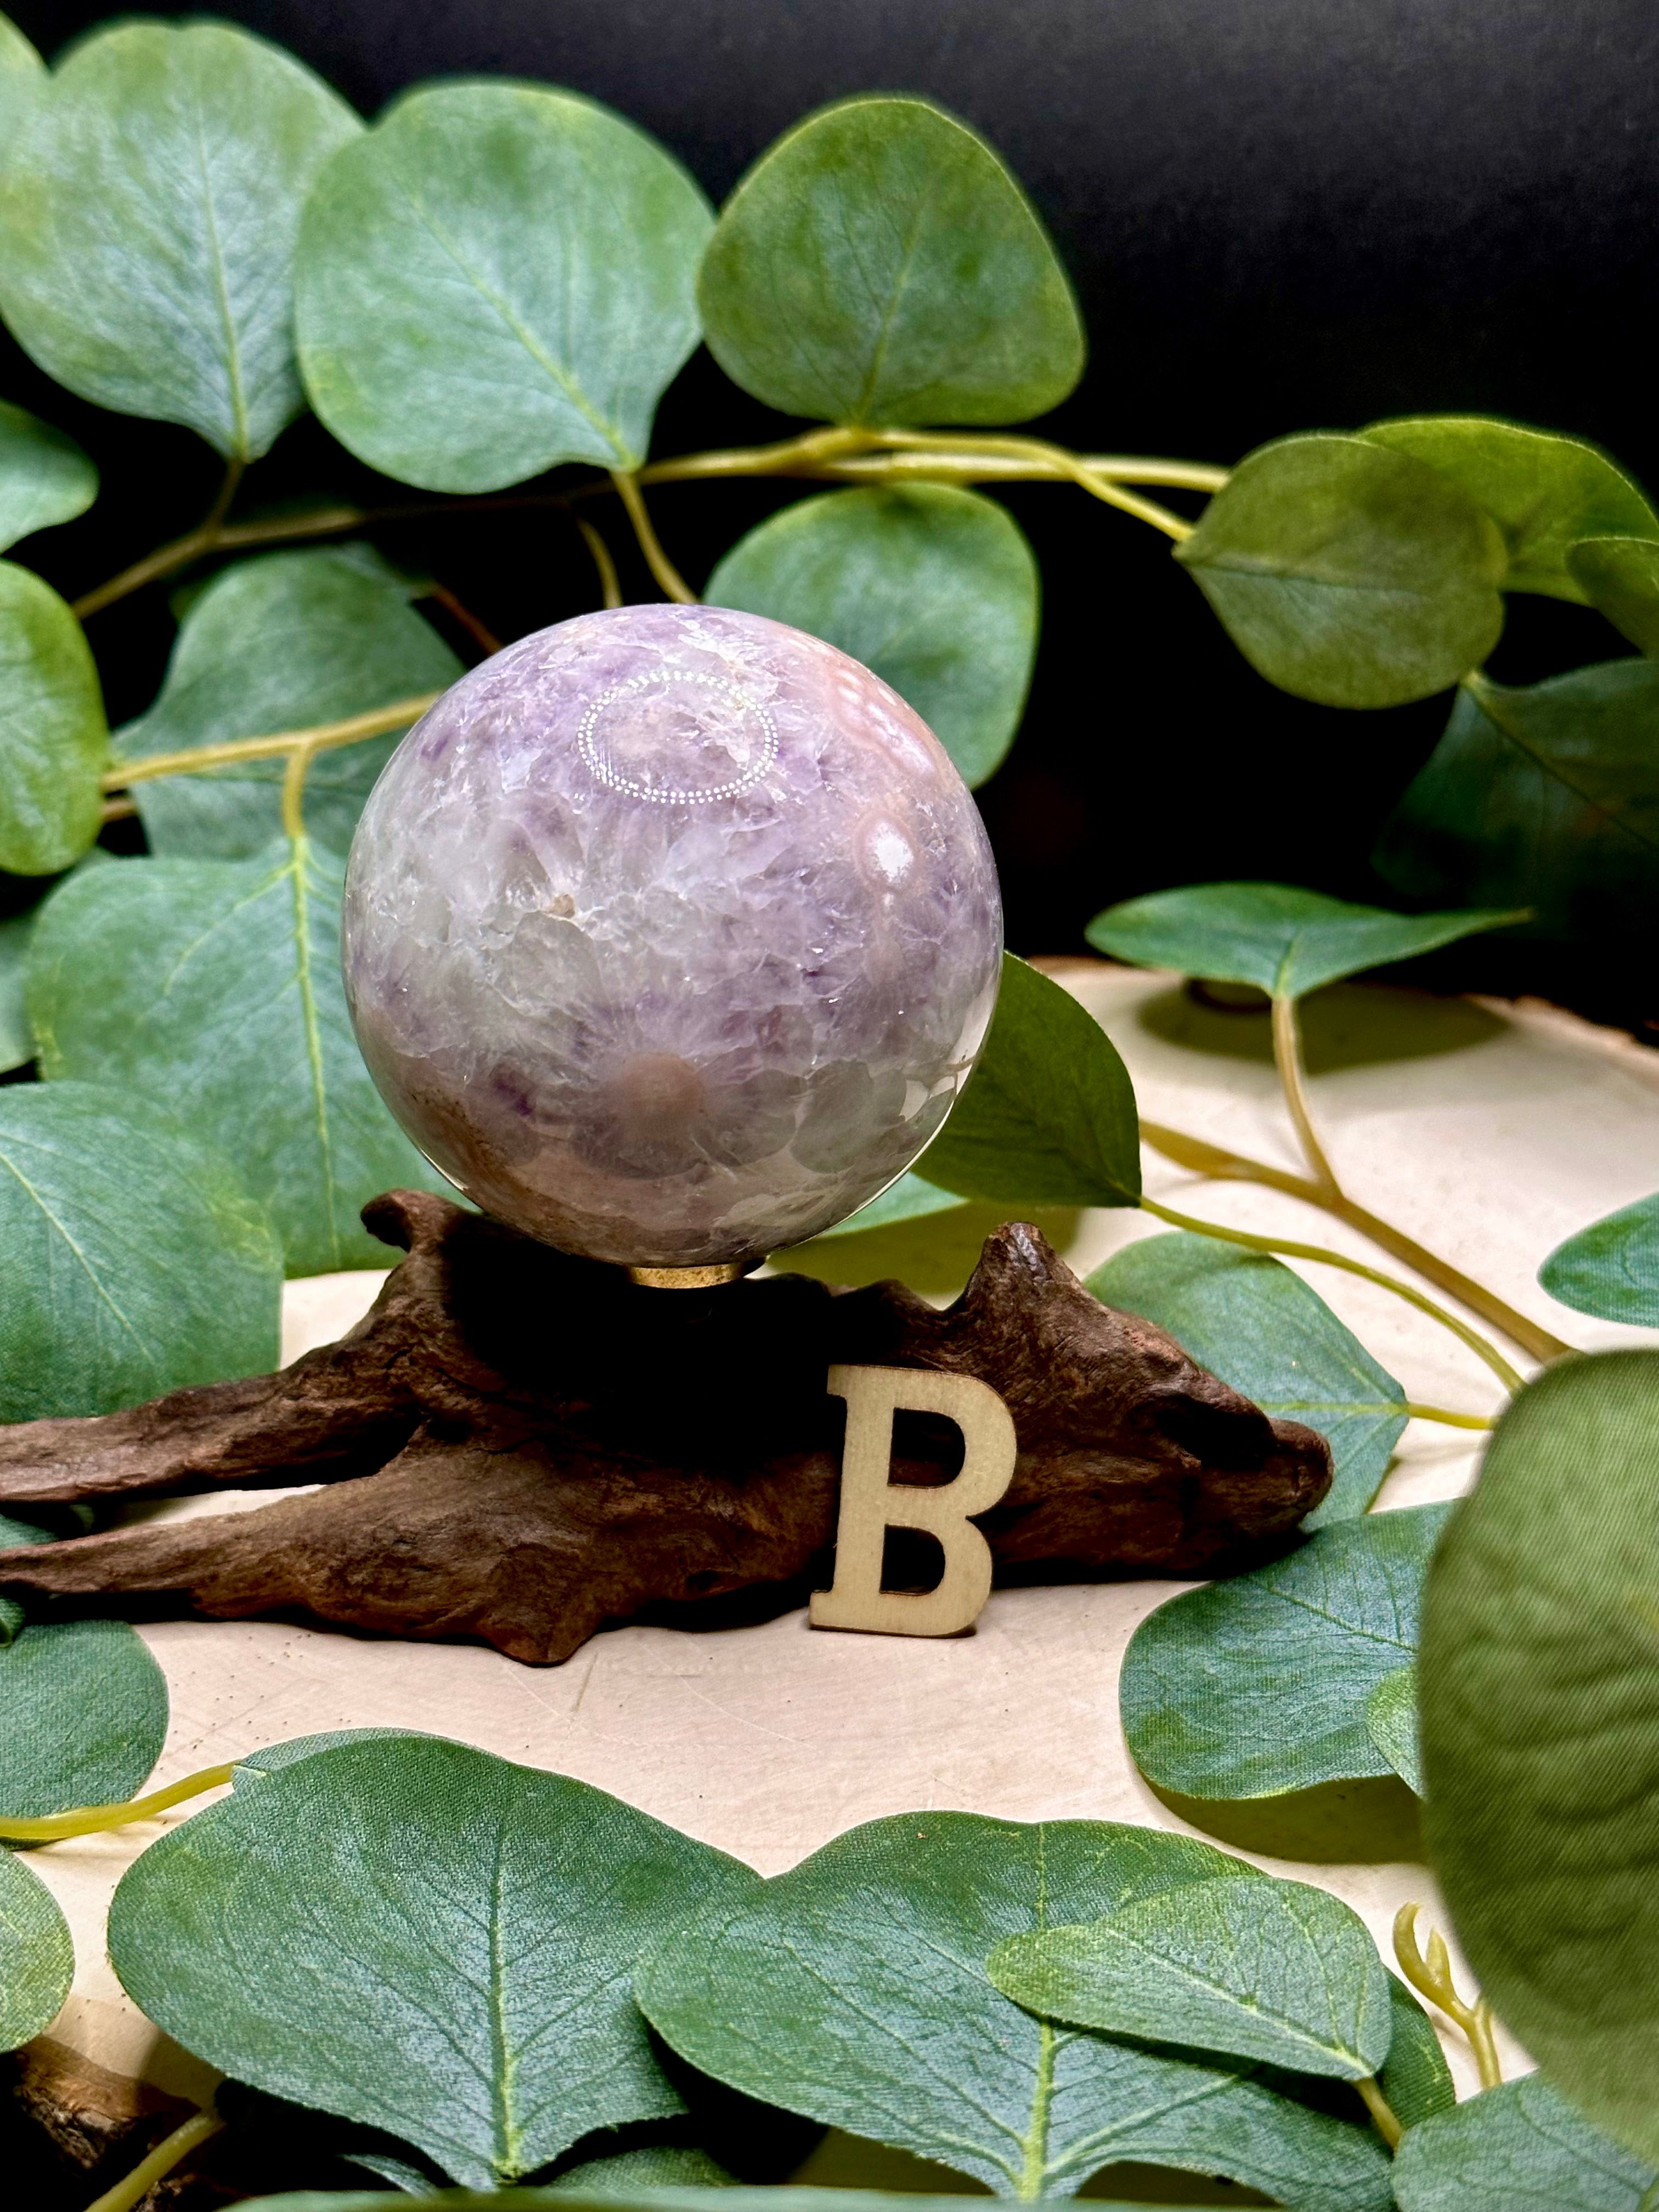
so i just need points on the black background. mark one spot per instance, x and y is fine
(1279, 214)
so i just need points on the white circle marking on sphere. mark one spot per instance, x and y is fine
(673, 795)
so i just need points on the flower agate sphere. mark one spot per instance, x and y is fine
(671, 935)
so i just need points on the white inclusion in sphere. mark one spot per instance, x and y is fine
(671, 935)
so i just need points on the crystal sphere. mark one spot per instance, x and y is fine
(671, 935)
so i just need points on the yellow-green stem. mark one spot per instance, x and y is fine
(324, 737)
(293, 790)
(667, 576)
(1430, 1977)
(1064, 463)
(1287, 1058)
(1381, 2111)
(1449, 1419)
(609, 586)
(92, 1820)
(172, 2151)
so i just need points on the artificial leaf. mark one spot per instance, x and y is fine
(909, 1199)
(83, 1713)
(423, 1938)
(934, 587)
(45, 478)
(1620, 577)
(215, 985)
(1416, 2079)
(1520, 2147)
(631, 2173)
(22, 78)
(557, 2197)
(12, 1615)
(1284, 940)
(135, 1260)
(1049, 1116)
(53, 738)
(1252, 1322)
(37, 1954)
(1611, 1269)
(1543, 490)
(16, 1038)
(1258, 1686)
(853, 1988)
(1541, 1731)
(498, 278)
(1347, 574)
(147, 222)
(1262, 1968)
(1391, 1723)
(283, 642)
(878, 265)
(1545, 796)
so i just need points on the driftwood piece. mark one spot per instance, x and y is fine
(521, 1446)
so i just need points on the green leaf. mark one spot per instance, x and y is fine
(13, 1533)
(283, 642)
(878, 265)
(1347, 574)
(22, 79)
(935, 588)
(1541, 1731)
(1284, 940)
(1391, 1723)
(496, 279)
(422, 1938)
(853, 1988)
(16, 1037)
(83, 1713)
(1541, 489)
(1252, 1322)
(45, 478)
(1518, 2148)
(1611, 1269)
(558, 2198)
(1258, 1968)
(909, 1199)
(1547, 797)
(628, 2175)
(37, 1954)
(135, 1261)
(1416, 2080)
(1258, 1686)
(53, 738)
(1049, 1116)
(1619, 576)
(147, 225)
(215, 985)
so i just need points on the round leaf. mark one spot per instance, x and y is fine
(1611, 1269)
(1620, 576)
(1391, 1723)
(880, 265)
(45, 478)
(568, 2195)
(16, 1037)
(53, 738)
(1519, 2148)
(148, 224)
(496, 279)
(1416, 2080)
(935, 588)
(909, 1199)
(84, 1714)
(37, 1954)
(22, 78)
(1349, 574)
(1541, 1731)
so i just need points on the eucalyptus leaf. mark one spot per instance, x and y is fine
(1347, 574)
(909, 1199)
(1416, 2080)
(84, 1714)
(283, 642)
(878, 265)
(53, 738)
(45, 478)
(1519, 2148)
(1258, 1686)
(22, 80)
(1541, 1731)
(1620, 576)
(1545, 796)
(627, 2175)
(423, 1938)
(13, 1533)
(1391, 1723)
(1285, 941)
(498, 278)
(1611, 1269)
(934, 587)
(556, 2198)
(37, 1954)
(1252, 1322)
(148, 222)
(215, 985)
(1049, 1116)
(16, 1038)
(853, 1988)
(1543, 491)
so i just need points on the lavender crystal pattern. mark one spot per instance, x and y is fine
(671, 935)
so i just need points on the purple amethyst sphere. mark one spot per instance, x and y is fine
(671, 935)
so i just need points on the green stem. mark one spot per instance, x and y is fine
(172, 2151)
(324, 737)
(92, 1820)
(1449, 1419)
(1063, 464)
(1381, 2111)
(667, 576)
(610, 587)
(1287, 1058)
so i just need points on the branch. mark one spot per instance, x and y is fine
(324, 737)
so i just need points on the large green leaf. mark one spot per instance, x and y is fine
(135, 1260)
(854, 1989)
(1391, 1723)
(37, 1954)
(16, 1038)
(878, 265)
(83, 1707)
(1250, 1321)
(1416, 2080)
(45, 478)
(1518, 2148)
(22, 80)
(1620, 575)
(1285, 941)
(1541, 1731)
(935, 588)
(283, 642)
(148, 224)
(1258, 1686)
(53, 738)
(422, 1937)
(1049, 1115)
(1611, 1269)
(1543, 490)
(1545, 797)
(215, 985)
(559, 2196)
(1347, 574)
(497, 278)
(909, 1199)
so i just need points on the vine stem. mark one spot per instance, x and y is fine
(92, 1820)
(324, 737)
(610, 587)
(1431, 1977)
(1063, 463)
(293, 790)
(1449, 1419)
(171, 2151)
(203, 538)
(667, 576)
(1387, 2126)
(1287, 1059)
